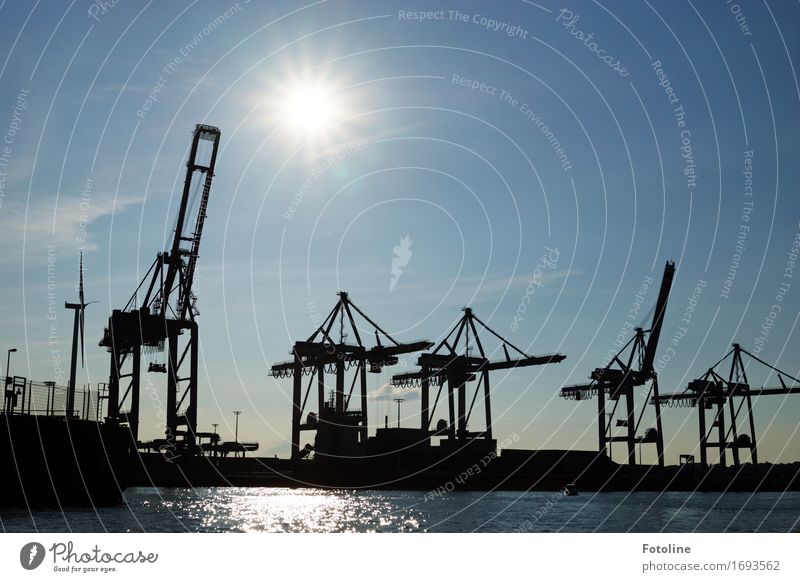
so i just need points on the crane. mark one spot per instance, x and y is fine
(165, 310)
(713, 390)
(621, 375)
(455, 366)
(340, 429)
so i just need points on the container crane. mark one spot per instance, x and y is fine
(165, 311)
(454, 365)
(341, 430)
(622, 375)
(713, 391)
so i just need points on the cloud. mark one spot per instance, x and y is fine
(387, 392)
(44, 221)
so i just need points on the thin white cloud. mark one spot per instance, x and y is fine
(387, 392)
(41, 223)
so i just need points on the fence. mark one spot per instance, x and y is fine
(23, 396)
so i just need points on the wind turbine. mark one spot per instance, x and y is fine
(77, 335)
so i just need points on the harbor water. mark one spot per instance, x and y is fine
(313, 510)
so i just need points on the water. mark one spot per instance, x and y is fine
(311, 510)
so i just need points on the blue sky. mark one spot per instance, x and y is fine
(446, 130)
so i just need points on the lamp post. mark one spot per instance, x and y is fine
(8, 364)
(236, 433)
(8, 395)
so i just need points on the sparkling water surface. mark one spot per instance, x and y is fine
(312, 510)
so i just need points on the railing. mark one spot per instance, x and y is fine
(23, 396)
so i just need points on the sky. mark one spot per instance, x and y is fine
(535, 161)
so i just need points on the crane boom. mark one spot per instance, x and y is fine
(195, 166)
(658, 318)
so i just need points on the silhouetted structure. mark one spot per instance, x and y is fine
(166, 311)
(712, 391)
(341, 430)
(622, 375)
(77, 337)
(54, 447)
(454, 364)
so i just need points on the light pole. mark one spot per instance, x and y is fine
(8, 364)
(236, 433)
(8, 396)
(399, 401)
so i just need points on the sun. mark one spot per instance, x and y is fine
(310, 108)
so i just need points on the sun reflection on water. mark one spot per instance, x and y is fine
(289, 510)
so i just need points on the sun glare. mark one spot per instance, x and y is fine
(310, 108)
